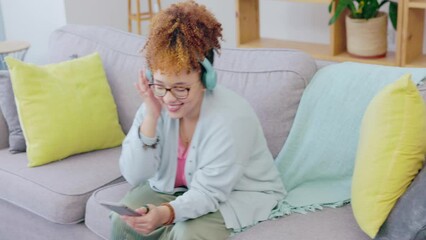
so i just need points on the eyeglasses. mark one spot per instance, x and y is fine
(161, 91)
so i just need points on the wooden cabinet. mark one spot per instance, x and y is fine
(409, 37)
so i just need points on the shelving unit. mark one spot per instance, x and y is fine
(409, 37)
(412, 33)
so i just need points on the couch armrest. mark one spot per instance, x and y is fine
(4, 132)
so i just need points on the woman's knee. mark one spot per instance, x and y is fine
(191, 230)
(115, 219)
(184, 231)
(119, 230)
(116, 223)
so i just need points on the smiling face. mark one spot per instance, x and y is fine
(188, 107)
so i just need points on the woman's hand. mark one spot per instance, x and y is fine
(150, 221)
(152, 104)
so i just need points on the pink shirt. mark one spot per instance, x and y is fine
(180, 172)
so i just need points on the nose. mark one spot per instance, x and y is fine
(169, 97)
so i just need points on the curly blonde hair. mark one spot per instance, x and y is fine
(180, 37)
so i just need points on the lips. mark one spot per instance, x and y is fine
(174, 107)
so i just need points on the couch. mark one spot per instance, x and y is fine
(60, 200)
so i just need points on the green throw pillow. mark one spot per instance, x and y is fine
(64, 108)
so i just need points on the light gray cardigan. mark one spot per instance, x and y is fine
(229, 166)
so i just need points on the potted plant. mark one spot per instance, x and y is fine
(366, 26)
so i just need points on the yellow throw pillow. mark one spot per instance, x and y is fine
(64, 108)
(391, 152)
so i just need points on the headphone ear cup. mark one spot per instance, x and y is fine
(209, 77)
(148, 75)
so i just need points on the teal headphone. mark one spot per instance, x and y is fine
(208, 78)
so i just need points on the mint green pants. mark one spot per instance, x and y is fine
(209, 227)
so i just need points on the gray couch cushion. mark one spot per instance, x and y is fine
(422, 90)
(57, 191)
(4, 133)
(272, 80)
(407, 218)
(120, 56)
(328, 224)
(8, 107)
(97, 216)
(19, 224)
(421, 235)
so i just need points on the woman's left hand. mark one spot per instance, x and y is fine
(148, 222)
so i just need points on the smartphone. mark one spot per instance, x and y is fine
(120, 209)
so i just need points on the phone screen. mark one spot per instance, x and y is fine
(120, 209)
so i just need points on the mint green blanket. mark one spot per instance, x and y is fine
(317, 161)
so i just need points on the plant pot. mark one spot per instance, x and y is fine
(367, 38)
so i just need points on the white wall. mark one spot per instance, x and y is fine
(97, 12)
(294, 21)
(224, 10)
(32, 21)
(2, 35)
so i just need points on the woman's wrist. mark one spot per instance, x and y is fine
(169, 216)
(164, 213)
(148, 127)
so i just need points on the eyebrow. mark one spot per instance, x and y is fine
(174, 84)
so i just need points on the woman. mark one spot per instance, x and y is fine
(196, 154)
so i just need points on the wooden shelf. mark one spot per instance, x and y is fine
(420, 61)
(417, 4)
(409, 39)
(389, 60)
(412, 35)
(317, 51)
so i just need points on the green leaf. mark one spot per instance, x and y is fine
(330, 6)
(393, 13)
(341, 6)
(370, 9)
(351, 7)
